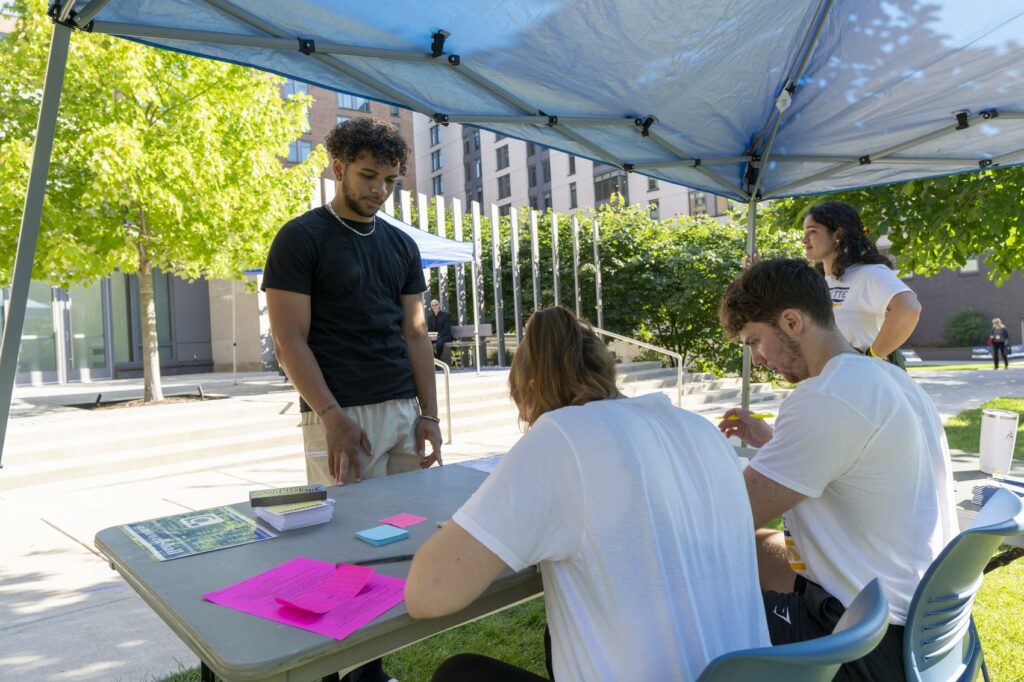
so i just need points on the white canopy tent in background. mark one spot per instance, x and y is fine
(750, 100)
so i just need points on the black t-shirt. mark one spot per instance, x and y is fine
(355, 285)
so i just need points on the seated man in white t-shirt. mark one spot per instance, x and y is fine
(857, 465)
(633, 510)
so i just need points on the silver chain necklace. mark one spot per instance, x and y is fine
(330, 209)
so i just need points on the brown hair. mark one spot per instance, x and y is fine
(347, 140)
(761, 293)
(560, 362)
(852, 245)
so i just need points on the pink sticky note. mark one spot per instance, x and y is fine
(258, 596)
(343, 584)
(403, 520)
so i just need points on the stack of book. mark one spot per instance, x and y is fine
(294, 507)
(980, 494)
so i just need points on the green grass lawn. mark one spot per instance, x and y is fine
(516, 635)
(928, 368)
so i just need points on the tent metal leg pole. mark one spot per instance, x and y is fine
(30, 219)
(751, 224)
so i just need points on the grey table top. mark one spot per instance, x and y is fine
(238, 646)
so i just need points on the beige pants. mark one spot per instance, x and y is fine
(390, 428)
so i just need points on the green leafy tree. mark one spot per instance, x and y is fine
(161, 161)
(661, 280)
(938, 222)
(966, 327)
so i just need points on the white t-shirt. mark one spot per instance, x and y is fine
(865, 444)
(637, 514)
(859, 300)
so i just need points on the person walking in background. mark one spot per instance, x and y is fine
(999, 339)
(875, 311)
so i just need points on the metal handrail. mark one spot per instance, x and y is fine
(658, 349)
(447, 395)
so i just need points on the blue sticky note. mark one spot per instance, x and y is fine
(382, 535)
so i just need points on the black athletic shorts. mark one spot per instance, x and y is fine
(810, 612)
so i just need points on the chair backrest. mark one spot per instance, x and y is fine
(464, 331)
(858, 632)
(940, 642)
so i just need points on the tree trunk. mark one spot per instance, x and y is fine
(152, 391)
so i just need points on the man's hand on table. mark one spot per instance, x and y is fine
(739, 422)
(344, 438)
(428, 430)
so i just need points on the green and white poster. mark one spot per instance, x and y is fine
(206, 530)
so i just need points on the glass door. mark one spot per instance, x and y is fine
(37, 359)
(85, 333)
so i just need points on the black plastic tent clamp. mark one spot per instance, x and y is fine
(54, 14)
(440, 118)
(645, 125)
(865, 160)
(984, 163)
(990, 113)
(437, 44)
(962, 120)
(628, 167)
(552, 120)
(307, 46)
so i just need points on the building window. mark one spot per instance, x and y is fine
(531, 149)
(294, 87)
(353, 102)
(504, 187)
(501, 153)
(309, 124)
(476, 139)
(652, 184)
(572, 165)
(398, 127)
(546, 204)
(435, 160)
(465, 147)
(469, 176)
(505, 210)
(969, 267)
(654, 209)
(531, 176)
(438, 184)
(477, 168)
(545, 171)
(395, 110)
(572, 195)
(480, 195)
(435, 135)
(698, 203)
(533, 202)
(299, 150)
(608, 183)
(342, 118)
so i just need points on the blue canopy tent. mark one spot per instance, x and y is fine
(750, 100)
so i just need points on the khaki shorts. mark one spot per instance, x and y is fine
(390, 428)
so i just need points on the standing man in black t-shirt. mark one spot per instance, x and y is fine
(344, 297)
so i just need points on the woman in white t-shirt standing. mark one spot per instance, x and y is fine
(874, 309)
(634, 511)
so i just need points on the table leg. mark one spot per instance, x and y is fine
(205, 673)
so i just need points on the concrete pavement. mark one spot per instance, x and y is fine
(64, 615)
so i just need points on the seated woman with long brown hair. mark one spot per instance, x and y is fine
(634, 510)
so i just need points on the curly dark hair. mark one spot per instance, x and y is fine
(767, 288)
(346, 141)
(853, 246)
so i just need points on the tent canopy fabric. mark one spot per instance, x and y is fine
(435, 251)
(759, 98)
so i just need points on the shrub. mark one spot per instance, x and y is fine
(966, 327)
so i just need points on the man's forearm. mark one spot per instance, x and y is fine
(304, 372)
(421, 357)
